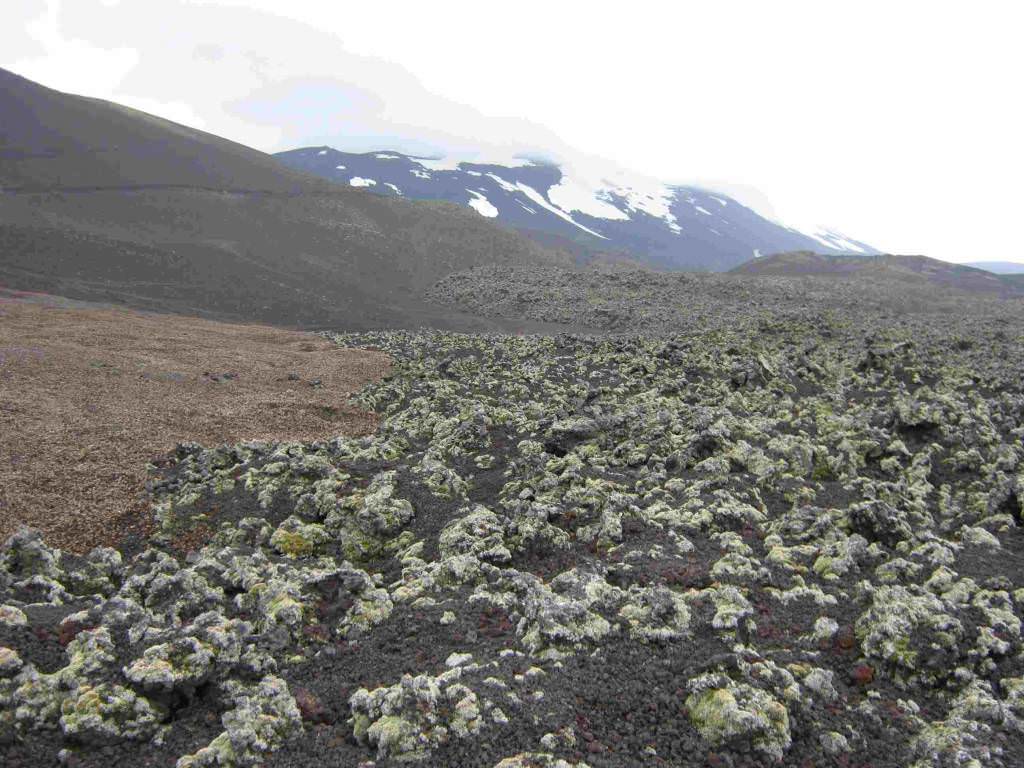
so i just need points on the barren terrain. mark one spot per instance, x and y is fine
(88, 396)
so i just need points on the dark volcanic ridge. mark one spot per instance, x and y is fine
(884, 268)
(792, 538)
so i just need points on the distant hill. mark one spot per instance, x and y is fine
(999, 267)
(105, 203)
(597, 217)
(912, 269)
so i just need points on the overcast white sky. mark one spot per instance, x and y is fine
(897, 122)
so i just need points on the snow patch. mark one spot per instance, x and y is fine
(832, 240)
(829, 238)
(453, 163)
(842, 243)
(539, 199)
(506, 185)
(339, 167)
(474, 173)
(419, 174)
(650, 197)
(386, 156)
(322, 152)
(482, 205)
(720, 200)
(525, 207)
(820, 239)
(572, 195)
(757, 253)
(389, 184)
(358, 181)
(705, 211)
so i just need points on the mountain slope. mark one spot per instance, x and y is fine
(909, 269)
(106, 203)
(49, 139)
(675, 227)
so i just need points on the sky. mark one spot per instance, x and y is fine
(897, 123)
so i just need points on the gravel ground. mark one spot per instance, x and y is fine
(88, 396)
(625, 299)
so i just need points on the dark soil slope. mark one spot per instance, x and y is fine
(50, 139)
(105, 203)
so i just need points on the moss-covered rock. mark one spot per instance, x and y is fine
(478, 532)
(655, 614)
(730, 713)
(183, 663)
(12, 616)
(914, 632)
(404, 721)
(108, 713)
(537, 760)
(10, 662)
(296, 539)
(263, 717)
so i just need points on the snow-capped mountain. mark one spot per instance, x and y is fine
(667, 226)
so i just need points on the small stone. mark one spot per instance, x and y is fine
(863, 674)
(69, 629)
(846, 639)
(311, 708)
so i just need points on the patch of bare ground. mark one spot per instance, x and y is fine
(89, 396)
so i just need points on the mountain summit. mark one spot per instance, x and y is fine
(606, 215)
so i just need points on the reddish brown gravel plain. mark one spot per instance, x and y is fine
(88, 396)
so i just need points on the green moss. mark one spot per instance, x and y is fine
(822, 471)
(739, 711)
(292, 544)
(296, 539)
(108, 713)
(393, 735)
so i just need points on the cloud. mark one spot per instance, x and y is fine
(913, 147)
(279, 84)
(67, 62)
